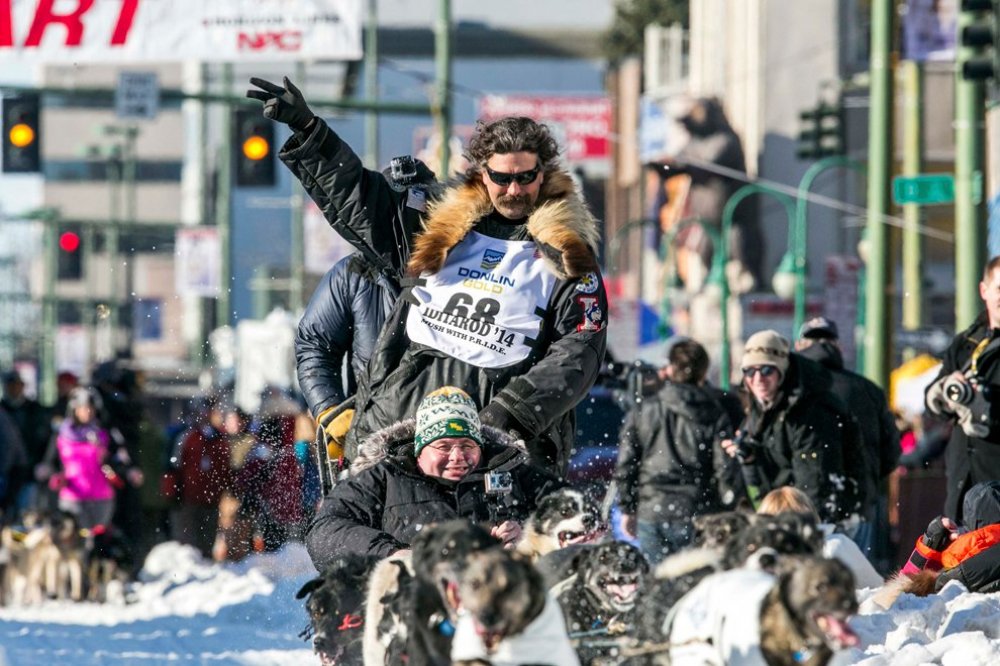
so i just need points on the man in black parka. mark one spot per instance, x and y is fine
(670, 465)
(973, 360)
(502, 293)
(879, 437)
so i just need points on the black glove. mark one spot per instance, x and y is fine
(497, 417)
(937, 536)
(286, 105)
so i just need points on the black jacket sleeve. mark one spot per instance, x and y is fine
(629, 462)
(323, 339)
(817, 459)
(358, 203)
(563, 376)
(350, 520)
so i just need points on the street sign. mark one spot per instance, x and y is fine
(137, 95)
(933, 340)
(927, 188)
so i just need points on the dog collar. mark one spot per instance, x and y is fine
(442, 624)
(802, 656)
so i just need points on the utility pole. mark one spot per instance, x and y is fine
(878, 276)
(442, 98)
(970, 231)
(297, 214)
(223, 205)
(913, 164)
(371, 85)
(112, 246)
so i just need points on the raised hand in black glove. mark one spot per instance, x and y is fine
(286, 105)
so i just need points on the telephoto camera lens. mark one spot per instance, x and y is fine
(958, 391)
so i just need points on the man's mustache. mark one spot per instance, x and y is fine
(514, 199)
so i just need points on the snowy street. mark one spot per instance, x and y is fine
(189, 611)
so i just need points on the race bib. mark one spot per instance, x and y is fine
(486, 304)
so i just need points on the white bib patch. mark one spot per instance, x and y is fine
(416, 199)
(485, 305)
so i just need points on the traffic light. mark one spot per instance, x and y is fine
(822, 132)
(70, 264)
(977, 37)
(21, 134)
(253, 148)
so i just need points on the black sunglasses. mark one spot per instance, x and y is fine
(764, 370)
(521, 177)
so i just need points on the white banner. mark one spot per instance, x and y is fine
(197, 257)
(132, 31)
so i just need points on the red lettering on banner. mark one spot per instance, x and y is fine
(124, 24)
(6, 23)
(44, 17)
(281, 40)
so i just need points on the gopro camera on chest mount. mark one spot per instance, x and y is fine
(403, 171)
(498, 483)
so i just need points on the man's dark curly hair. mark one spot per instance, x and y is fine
(511, 135)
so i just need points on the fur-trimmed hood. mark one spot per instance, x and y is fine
(396, 441)
(560, 224)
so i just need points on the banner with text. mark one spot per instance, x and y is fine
(120, 31)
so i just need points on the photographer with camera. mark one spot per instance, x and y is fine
(442, 465)
(502, 292)
(796, 431)
(963, 393)
(670, 467)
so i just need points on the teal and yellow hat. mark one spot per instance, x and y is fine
(447, 412)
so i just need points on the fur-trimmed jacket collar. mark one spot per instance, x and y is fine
(396, 442)
(560, 224)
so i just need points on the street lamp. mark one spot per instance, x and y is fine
(786, 278)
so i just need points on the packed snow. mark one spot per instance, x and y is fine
(186, 610)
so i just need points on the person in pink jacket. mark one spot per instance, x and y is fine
(85, 484)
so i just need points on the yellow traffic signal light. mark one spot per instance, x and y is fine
(21, 135)
(252, 149)
(256, 148)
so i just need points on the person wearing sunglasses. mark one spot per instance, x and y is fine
(796, 431)
(502, 292)
(423, 471)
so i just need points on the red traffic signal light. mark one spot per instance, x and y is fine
(70, 263)
(69, 241)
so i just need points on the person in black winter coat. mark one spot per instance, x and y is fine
(879, 437)
(670, 465)
(796, 431)
(343, 319)
(972, 360)
(425, 471)
(503, 295)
